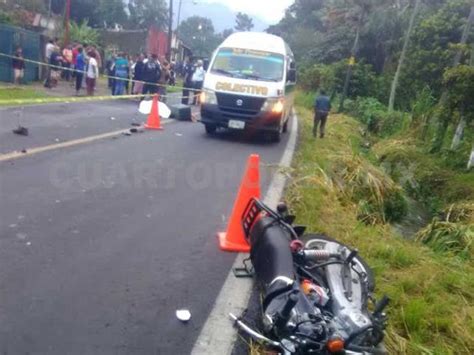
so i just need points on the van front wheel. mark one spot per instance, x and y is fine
(285, 126)
(210, 128)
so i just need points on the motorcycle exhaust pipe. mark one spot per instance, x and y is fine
(254, 334)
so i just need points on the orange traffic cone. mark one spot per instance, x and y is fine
(153, 121)
(234, 238)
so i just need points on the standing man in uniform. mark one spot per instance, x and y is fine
(188, 71)
(198, 80)
(322, 106)
(151, 75)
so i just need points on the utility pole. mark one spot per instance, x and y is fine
(179, 16)
(170, 31)
(66, 22)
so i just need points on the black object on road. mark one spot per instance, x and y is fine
(22, 131)
(181, 112)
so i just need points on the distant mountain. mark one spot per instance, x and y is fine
(222, 16)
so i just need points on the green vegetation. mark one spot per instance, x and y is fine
(11, 93)
(431, 288)
(83, 33)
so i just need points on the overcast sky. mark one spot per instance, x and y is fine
(269, 10)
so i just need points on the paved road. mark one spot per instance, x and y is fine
(100, 243)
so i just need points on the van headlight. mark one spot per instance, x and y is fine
(274, 104)
(208, 97)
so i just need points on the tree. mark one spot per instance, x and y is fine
(145, 13)
(396, 77)
(111, 12)
(243, 22)
(362, 9)
(83, 33)
(226, 33)
(198, 34)
(445, 115)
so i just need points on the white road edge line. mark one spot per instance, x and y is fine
(66, 144)
(218, 334)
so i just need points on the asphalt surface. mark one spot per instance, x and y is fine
(101, 243)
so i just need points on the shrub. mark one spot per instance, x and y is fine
(456, 238)
(379, 199)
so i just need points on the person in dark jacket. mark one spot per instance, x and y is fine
(18, 64)
(138, 74)
(151, 75)
(322, 106)
(188, 71)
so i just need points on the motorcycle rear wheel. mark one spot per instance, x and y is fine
(311, 239)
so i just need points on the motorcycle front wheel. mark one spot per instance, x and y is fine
(318, 241)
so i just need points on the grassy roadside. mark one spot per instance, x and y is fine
(12, 92)
(432, 294)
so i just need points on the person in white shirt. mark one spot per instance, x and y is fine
(50, 47)
(198, 80)
(92, 74)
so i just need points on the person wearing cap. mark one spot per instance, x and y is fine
(322, 106)
(198, 80)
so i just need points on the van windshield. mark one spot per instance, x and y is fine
(249, 64)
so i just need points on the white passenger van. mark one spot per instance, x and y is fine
(249, 85)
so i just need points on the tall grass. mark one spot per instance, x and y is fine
(432, 293)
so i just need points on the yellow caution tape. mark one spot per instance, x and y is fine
(47, 100)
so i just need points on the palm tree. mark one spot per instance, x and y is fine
(462, 122)
(393, 89)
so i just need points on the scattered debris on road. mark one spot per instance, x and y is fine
(183, 315)
(22, 131)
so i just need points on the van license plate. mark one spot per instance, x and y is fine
(236, 124)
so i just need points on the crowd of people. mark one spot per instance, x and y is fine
(76, 62)
(141, 74)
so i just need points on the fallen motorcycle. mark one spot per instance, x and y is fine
(316, 291)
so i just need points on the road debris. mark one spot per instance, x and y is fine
(22, 131)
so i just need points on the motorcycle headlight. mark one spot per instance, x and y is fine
(274, 104)
(208, 97)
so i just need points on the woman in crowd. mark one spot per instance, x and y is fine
(121, 73)
(92, 73)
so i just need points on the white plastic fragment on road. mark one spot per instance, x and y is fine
(179, 134)
(112, 118)
(145, 108)
(183, 315)
(28, 243)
